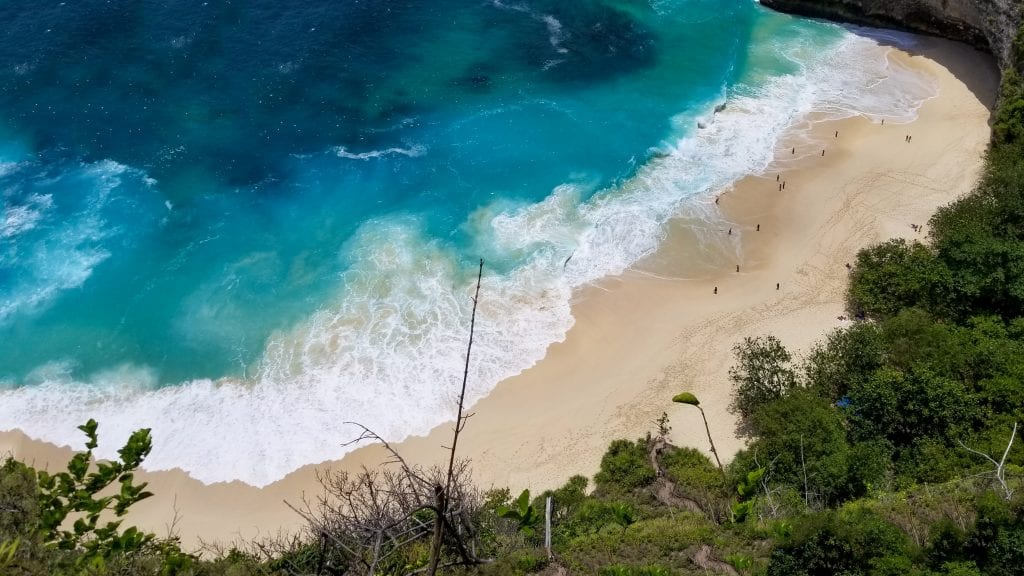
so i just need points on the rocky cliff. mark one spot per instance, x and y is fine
(990, 25)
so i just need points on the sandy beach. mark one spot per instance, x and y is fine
(661, 328)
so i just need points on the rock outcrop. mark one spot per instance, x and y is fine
(989, 25)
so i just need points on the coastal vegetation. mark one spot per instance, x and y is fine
(890, 449)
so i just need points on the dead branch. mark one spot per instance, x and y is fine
(999, 472)
(362, 520)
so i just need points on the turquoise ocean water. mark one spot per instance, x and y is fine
(243, 224)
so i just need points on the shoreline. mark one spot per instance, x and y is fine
(642, 337)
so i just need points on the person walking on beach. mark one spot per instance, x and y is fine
(776, 285)
(716, 290)
(737, 267)
(758, 227)
(730, 231)
(837, 133)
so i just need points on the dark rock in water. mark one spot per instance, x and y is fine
(474, 83)
(720, 108)
(655, 153)
(701, 125)
(598, 41)
(476, 78)
(986, 24)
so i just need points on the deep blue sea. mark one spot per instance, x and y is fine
(243, 223)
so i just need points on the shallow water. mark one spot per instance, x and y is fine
(244, 226)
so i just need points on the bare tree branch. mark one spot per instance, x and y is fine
(999, 473)
(364, 520)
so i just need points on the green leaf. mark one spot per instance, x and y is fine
(90, 430)
(7, 551)
(686, 398)
(78, 465)
(81, 527)
(523, 502)
(136, 449)
(508, 513)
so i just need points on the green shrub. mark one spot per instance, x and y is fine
(567, 499)
(620, 570)
(1008, 124)
(1007, 554)
(593, 516)
(518, 562)
(946, 544)
(698, 479)
(851, 541)
(624, 468)
(663, 539)
(960, 569)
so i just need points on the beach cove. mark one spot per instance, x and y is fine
(660, 328)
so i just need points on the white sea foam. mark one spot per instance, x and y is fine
(8, 168)
(65, 257)
(388, 351)
(20, 218)
(412, 152)
(556, 35)
(556, 32)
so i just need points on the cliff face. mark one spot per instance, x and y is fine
(986, 24)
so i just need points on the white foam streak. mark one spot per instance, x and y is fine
(66, 256)
(388, 351)
(556, 35)
(412, 152)
(22, 218)
(556, 32)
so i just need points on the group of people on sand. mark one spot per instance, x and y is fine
(782, 186)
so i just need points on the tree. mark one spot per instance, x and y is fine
(903, 406)
(804, 438)
(76, 492)
(848, 356)
(691, 400)
(895, 275)
(38, 506)
(762, 374)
